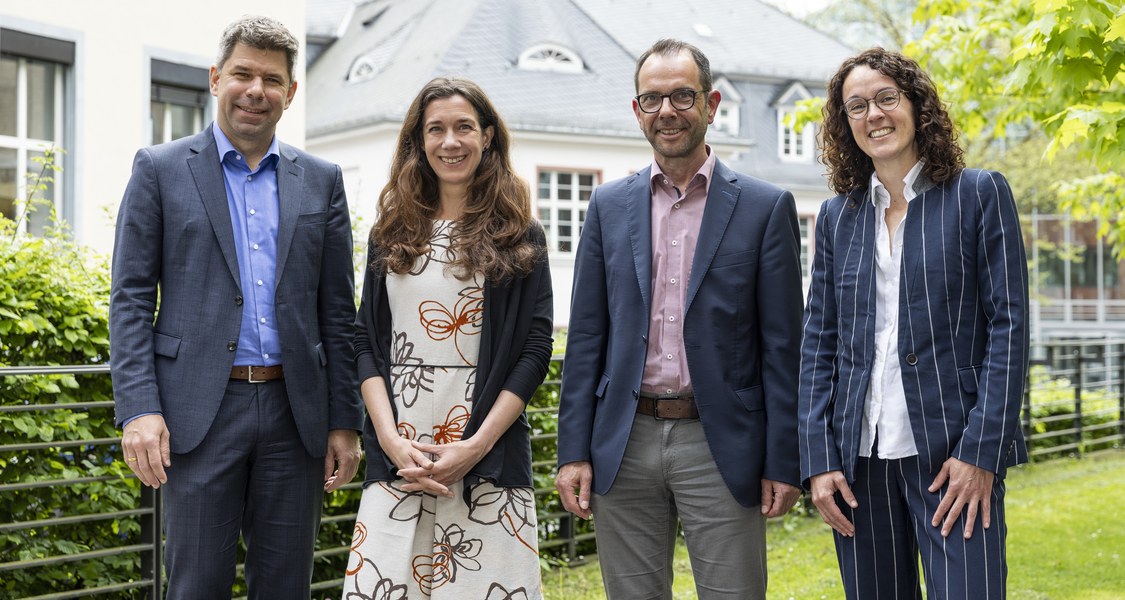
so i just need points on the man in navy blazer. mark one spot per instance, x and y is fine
(241, 398)
(679, 389)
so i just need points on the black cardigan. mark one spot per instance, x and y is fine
(515, 350)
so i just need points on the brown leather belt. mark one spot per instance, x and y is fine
(257, 374)
(668, 406)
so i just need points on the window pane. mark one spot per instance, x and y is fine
(42, 200)
(8, 68)
(8, 182)
(40, 100)
(183, 120)
(158, 122)
(564, 179)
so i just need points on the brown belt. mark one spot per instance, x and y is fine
(668, 406)
(257, 374)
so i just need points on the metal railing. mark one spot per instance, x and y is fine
(1074, 403)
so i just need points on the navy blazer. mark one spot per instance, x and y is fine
(174, 233)
(962, 332)
(741, 330)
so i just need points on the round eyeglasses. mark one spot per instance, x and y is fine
(680, 99)
(887, 100)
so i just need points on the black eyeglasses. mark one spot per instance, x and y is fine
(680, 99)
(887, 100)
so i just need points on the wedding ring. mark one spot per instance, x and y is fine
(132, 459)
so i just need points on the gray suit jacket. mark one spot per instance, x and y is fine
(174, 250)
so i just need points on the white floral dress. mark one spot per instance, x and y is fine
(412, 544)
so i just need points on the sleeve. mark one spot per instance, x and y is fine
(1002, 283)
(137, 255)
(779, 316)
(531, 366)
(587, 337)
(336, 313)
(818, 360)
(368, 360)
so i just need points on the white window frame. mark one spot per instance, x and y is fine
(26, 146)
(550, 57)
(794, 147)
(550, 205)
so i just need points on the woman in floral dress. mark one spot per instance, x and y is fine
(452, 339)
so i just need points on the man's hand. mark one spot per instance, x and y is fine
(969, 485)
(573, 483)
(342, 459)
(824, 488)
(778, 497)
(144, 442)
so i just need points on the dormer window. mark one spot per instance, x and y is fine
(728, 118)
(794, 146)
(550, 57)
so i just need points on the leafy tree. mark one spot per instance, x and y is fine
(1053, 65)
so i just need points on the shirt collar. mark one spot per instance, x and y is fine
(880, 195)
(225, 147)
(703, 174)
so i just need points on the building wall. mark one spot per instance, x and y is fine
(109, 117)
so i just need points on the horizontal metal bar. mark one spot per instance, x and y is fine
(87, 592)
(30, 485)
(60, 444)
(55, 370)
(121, 514)
(55, 560)
(49, 407)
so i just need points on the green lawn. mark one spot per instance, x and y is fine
(1066, 541)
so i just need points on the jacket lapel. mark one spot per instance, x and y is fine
(639, 209)
(207, 172)
(290, 176)
(722, 196)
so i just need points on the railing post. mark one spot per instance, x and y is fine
(152, 561)
(566, 524)
(1078, 399)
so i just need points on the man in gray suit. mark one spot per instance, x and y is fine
(241, 398)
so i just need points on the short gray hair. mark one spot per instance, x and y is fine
(262, 33)
(669, 47)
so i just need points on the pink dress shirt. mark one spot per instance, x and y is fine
(676, 218)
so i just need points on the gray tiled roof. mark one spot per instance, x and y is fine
(739, 37)
(323, 17)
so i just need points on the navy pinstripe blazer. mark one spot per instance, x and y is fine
(962, 332)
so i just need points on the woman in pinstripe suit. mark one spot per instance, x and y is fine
(915, 343)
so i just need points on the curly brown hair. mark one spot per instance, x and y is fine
(936, 138)
(491, 237)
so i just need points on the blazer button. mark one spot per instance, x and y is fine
(232, 346)
(911, 359)
(238, 300)
(636, 395)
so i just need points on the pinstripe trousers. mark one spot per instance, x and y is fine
(892, 527)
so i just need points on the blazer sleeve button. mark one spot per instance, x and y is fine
(911, 359)
(232, 346)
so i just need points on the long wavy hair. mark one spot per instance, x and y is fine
(491, 236)
(935, 136)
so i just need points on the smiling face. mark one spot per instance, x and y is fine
(253, 90)
(454, 141)
(675, 134)
(886, 136)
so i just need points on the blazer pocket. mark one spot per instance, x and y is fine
(969, 376)
(321, 354)
(734, 259)
(165, 345)
(751, 398)
(602, 385)
(313, 218)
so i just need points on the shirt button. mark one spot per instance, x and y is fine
(259, 282)
(672, 280)
(255, 246)
(262, 320)
(238, 157)
(252, 211)
(676, 205)
(266, 355)
(668, 391)
(249, 178)
(669, 357)
(672, 318)
(674, 242)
